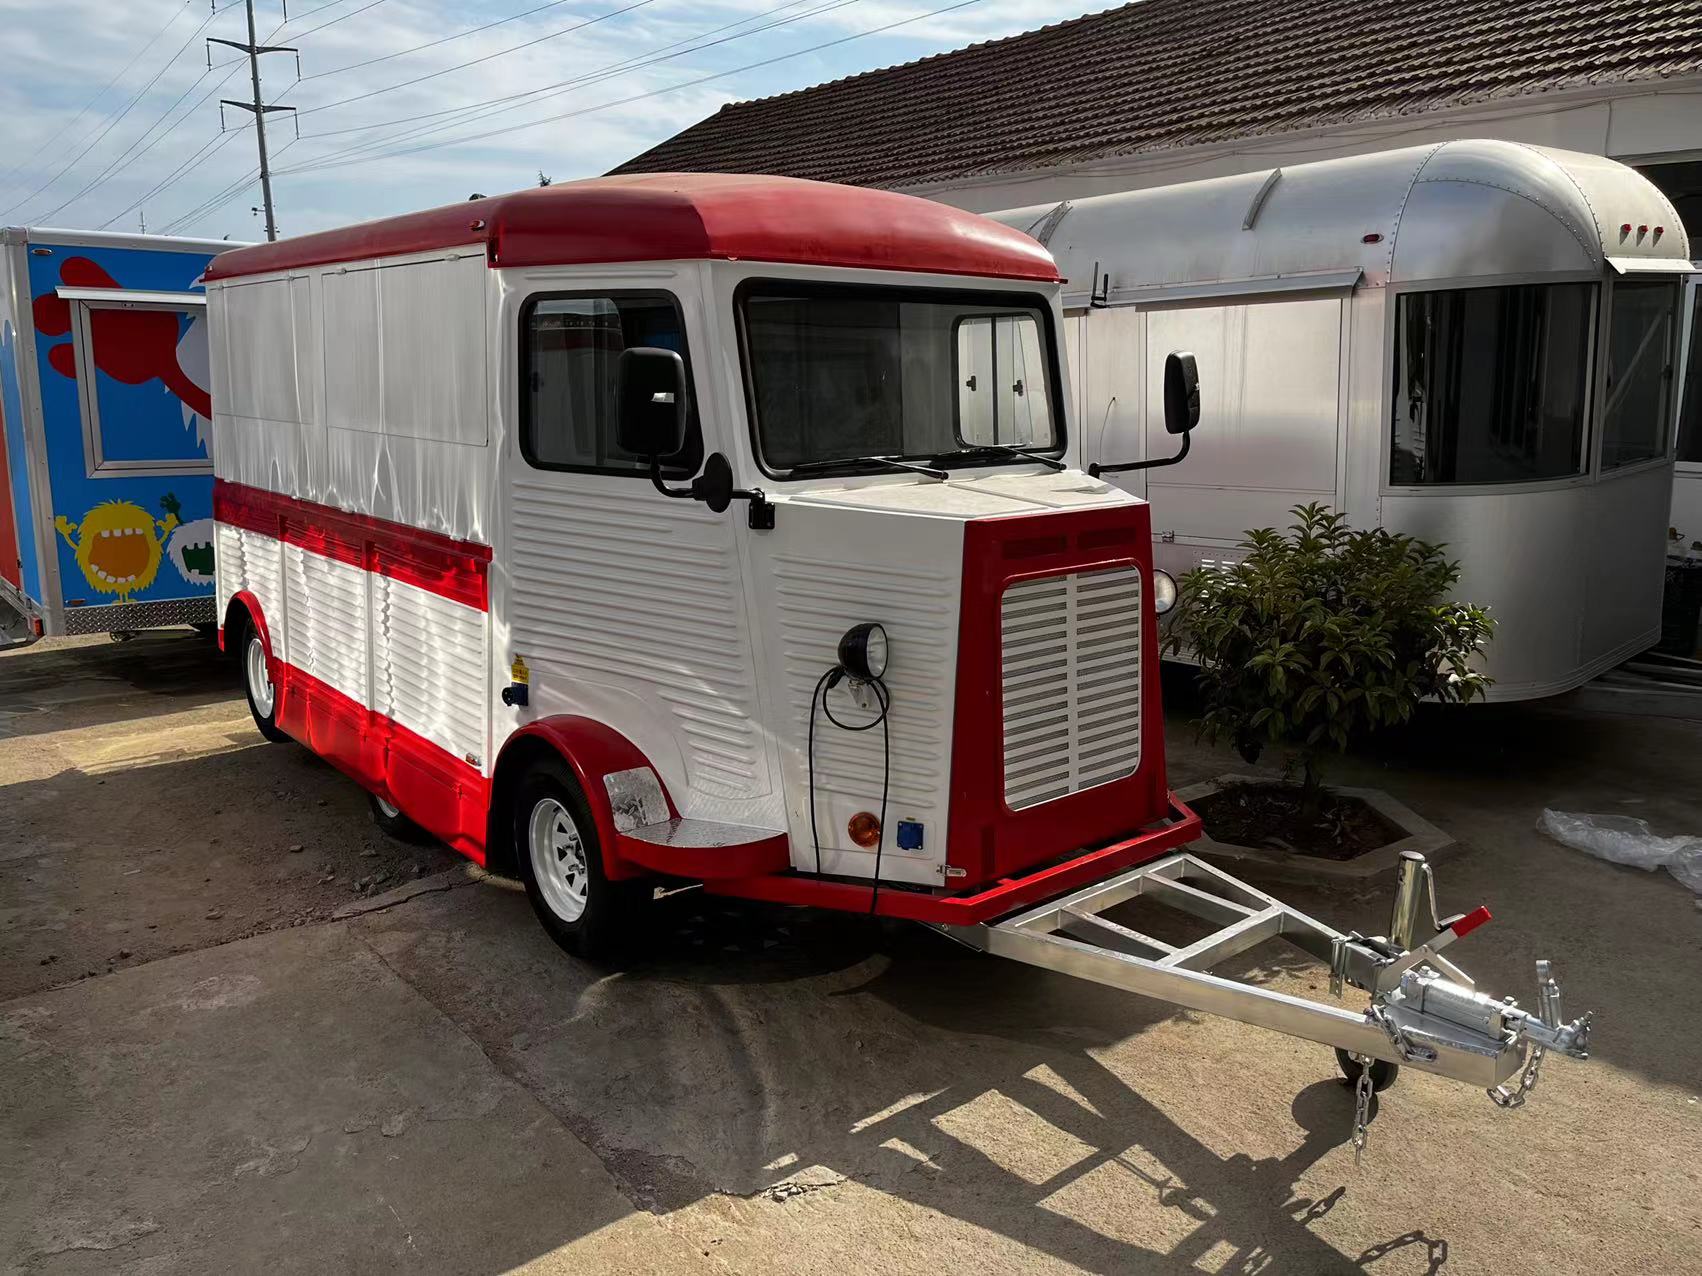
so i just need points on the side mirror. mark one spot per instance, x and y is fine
(1181, 392)
(651, 401)
(1181, 413)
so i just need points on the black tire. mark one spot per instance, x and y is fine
(393, 823)
(259, 697)
(1383, 1073)
(604, 925)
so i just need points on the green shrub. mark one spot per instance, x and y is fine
(1323, 634)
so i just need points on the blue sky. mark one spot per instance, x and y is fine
(110, 111)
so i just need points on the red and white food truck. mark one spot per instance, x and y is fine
(729, 530)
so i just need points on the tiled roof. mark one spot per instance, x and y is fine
(1159, 74)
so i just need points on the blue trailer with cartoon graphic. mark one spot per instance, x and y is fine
(106, 482)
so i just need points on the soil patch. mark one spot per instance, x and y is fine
(1270, 815)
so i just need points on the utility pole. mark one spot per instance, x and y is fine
(257, 107)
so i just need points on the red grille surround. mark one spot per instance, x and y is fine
(987, 839)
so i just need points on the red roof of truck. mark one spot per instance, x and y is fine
(679, 216)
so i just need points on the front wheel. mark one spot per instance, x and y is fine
(561, 864)
(257, 682)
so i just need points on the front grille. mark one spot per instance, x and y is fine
(1072, 683)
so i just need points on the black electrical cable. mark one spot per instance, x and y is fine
(827, 682)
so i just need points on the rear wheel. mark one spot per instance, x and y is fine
(257, 682)
(561, 864)
(390, 820)
(1383, 1073)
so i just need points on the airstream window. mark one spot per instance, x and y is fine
(1690, 426)
(1490, 384)
(569, 349)
(839, 371)
(1639, 371)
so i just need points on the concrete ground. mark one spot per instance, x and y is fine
(242, 1031)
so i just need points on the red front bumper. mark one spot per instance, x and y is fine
(1004, 896)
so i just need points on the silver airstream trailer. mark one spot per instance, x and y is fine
(1475, 342)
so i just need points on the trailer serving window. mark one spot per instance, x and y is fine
(1491, 384)
(568, 353)
(841, 372)
(1641, 335)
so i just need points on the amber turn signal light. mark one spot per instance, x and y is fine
(865, 829)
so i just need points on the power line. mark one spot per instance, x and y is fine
(470, 111)
(639, 97)
(462, 66)
(87, 106)
(302, 35)
(432, 44)
(117, 119)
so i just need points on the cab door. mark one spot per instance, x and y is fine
(626, 606)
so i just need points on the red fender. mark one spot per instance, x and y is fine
(592, 749)
(252, 605)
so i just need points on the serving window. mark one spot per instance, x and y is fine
(1491, 384)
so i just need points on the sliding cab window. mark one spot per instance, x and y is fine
(570, 349)
(1001, 381)
(1491, 384)
(847, 371)
(1642, 342)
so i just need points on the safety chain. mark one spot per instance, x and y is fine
(1362, 1090)
(1509, 1099)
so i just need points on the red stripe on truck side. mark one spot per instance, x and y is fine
(453, 569)
(445, 795)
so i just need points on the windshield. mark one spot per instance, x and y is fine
(842, 372)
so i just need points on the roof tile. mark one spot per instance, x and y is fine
(1161, 74)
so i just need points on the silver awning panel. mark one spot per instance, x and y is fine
(132, 297)
(1652, 265)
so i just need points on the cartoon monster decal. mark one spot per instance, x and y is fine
(191, 551)
(130, 346)
(117, 545)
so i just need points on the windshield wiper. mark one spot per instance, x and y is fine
(841, 462)
(1002, 449)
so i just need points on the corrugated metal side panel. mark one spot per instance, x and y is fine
(818, 600)
(325, 620)
(1072, 683)
(615, 588)
(430, 665)
(249, 561)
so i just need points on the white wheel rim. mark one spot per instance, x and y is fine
(259, 681)
(387, 809)
(558, 859)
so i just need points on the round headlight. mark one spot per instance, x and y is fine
(863, 651)
(1163, 591)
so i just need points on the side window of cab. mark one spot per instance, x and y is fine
(570, 347)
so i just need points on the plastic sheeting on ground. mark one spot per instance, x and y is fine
(1623, 839)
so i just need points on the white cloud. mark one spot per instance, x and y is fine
(61, 53)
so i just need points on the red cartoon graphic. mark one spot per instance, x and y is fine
(131, 346)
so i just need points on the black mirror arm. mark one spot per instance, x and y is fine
(1096, 469)
(679, 493)
(761, 511)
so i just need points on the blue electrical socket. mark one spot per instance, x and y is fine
(910, 835)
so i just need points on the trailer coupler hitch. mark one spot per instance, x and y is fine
(1412, 983)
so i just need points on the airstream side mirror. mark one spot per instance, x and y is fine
(1181, 413)
(651, 401)
(1181, 392)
